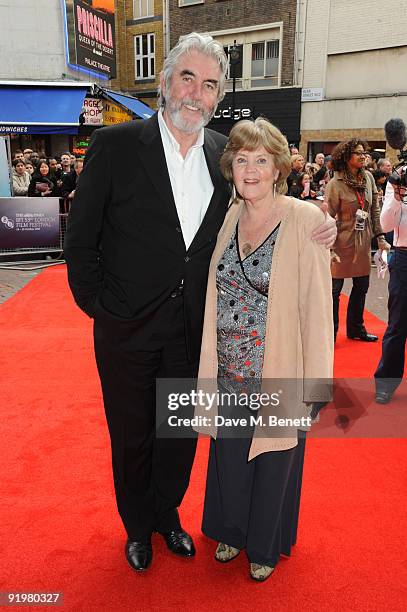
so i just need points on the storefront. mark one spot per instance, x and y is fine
(281, 106)
(324, 141)
(41, 115)
(327, 121)
(106, 108)
(54, 117)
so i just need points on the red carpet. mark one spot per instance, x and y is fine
(59, 526)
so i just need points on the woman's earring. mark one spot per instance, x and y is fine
(274, 189)
(233, 197)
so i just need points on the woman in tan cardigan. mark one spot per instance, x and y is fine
(268, 329)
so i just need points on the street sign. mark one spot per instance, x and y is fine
(312, 94)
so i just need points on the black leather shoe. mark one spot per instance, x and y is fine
(139, 555)
(180, 543)
(363, 336)
(383, 397)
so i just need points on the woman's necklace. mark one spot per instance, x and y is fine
(246, 249)
(253, 239)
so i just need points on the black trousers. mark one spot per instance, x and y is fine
(254, 504)
(390, 370)
(356, 305)
(151, 474)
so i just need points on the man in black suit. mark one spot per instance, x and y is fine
(138, 247)
(70, 180)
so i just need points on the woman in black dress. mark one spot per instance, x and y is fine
(41, 185)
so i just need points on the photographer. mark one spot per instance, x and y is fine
(380, 179)
(389, 373)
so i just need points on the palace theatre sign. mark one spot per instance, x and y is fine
(90, 29)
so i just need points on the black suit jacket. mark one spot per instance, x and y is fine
(68, 183)
(124, 245)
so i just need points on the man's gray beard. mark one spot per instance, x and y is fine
(174, 112)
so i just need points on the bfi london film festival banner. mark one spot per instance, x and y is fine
(91, 35)
(29, 223)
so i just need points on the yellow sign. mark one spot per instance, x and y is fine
(113, 113)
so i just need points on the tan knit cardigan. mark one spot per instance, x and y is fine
(299, 329)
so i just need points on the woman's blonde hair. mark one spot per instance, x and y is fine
(250, 135)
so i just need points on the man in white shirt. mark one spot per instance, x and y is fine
(389, 373)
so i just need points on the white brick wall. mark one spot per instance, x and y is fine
(357, 25)
(341, 26)
(335, 29)
(352, 114)
(316, 41)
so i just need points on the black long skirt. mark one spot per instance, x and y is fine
(253, 504)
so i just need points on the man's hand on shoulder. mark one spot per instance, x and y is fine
(325, 233)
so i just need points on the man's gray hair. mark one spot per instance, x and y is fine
(382, 161)
(203, 43)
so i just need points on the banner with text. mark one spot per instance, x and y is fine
(113, 113)
(29, 223)
(93, 111)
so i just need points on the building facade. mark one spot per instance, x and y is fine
(33, 43)
(48, 46)
(354, 72)
(265, 69)
(141, 27)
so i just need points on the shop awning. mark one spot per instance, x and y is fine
(41, 109)
(135, 106)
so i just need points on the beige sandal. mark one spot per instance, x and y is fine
(225, 553)
(260, 572)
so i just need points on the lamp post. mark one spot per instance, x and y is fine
(234, 58)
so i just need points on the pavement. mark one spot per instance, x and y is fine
(376, 299)
(12, 281)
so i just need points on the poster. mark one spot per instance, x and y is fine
(90, 26)
(113, 113)
(93, 111)
(29, 223)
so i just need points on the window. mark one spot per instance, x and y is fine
(259, 64)
(144, 56)
(186, 2)
(143, 8)
(264, 63)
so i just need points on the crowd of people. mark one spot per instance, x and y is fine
(36, 176)
(308, 180)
